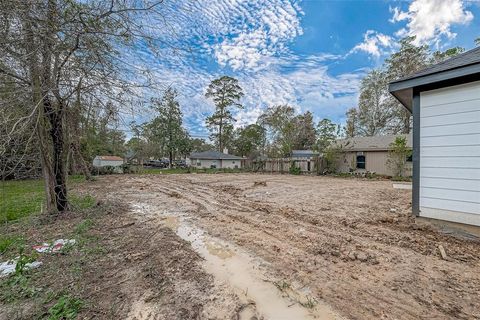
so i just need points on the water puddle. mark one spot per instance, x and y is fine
(240, 271)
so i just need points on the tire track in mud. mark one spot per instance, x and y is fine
(400, 284)
(207, 195)
(359, 229)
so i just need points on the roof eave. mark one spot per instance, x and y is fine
(402, 90)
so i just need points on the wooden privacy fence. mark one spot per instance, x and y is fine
(282, 165)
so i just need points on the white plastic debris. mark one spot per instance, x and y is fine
(8, 267)
(55, 246)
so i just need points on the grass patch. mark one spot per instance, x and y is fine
(17, 286)
(21, 198)
(83, 227)
(82, 202)
(11, 243)
(66, 308)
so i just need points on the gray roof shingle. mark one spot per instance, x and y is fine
(213, 155)
(458, 61)
(304, 153)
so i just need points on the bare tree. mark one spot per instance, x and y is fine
(56, 51)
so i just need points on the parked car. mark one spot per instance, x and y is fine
(156, 163)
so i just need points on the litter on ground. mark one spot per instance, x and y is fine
(8, 267)
(55, 246)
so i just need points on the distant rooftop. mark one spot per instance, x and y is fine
(304, 153)
(109, 158)
(374, 143)
(213, 155)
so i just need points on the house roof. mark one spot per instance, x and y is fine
(462, 65)
(109, 158)
(375, 143)
(213, 155)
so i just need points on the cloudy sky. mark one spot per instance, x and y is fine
(310, 54)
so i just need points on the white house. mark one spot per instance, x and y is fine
(103, 161)
(445, 102)
(214, 159)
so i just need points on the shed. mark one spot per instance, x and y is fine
(370, 154)
(214, 159)
(104, 161)
(445, 102)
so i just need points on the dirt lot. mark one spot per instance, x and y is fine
(337, 248)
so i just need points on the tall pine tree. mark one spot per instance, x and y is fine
(225, 93)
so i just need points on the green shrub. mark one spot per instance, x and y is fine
(398, 155)
(294, 169)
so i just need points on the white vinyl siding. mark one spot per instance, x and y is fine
(450, 153)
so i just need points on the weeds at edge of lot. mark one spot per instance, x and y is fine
(52, 290)
(67, 307)
(11, 243)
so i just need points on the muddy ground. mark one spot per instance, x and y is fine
(118, 269)
(338, 248)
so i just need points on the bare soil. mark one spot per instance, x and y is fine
(351, 242)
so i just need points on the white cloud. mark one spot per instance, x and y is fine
(251, 38)
(374, 43)
(249, 31)
(429, 20)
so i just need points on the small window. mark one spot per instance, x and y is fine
(360, 162)
(199, 163)
(233, 162)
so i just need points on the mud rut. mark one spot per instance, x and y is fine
(351, 244)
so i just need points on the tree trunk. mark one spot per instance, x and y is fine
(46, 161)
(57, 136)
(220, 142)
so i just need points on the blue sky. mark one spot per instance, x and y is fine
(310, 54)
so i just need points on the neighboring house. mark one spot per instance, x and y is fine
(304, 154)
(369, 154)
(214, 159)
(445, 102)
(111, 161)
